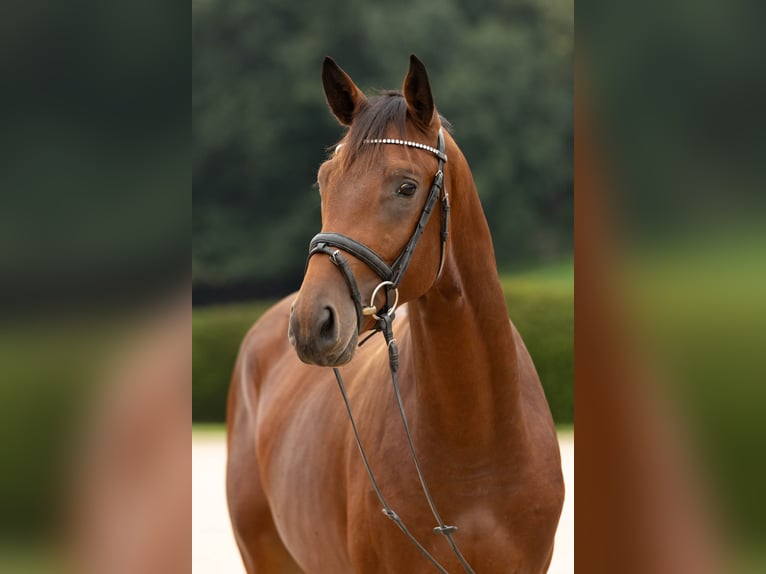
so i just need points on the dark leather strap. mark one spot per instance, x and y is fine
(385, 326)
(357, 249)
(342, 263)
(403, 261)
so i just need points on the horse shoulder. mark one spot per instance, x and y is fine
(259, 348)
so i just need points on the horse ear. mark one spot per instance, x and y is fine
(417, 92)
(343, 97)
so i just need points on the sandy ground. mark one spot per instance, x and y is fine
(215, 552)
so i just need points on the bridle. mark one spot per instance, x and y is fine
(331, 244)
(390, 275)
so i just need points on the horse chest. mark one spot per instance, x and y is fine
(485, 534)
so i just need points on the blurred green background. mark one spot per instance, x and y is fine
(500, 71)
(540, 303)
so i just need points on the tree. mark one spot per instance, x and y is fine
(501, 72)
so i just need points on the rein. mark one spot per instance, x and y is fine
(391, 276)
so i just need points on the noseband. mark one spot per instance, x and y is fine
(391, 275)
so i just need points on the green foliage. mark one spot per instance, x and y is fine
(501, 71)
(540, 304)
(216, 335)
(47, 373)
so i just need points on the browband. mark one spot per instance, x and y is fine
(438, 153)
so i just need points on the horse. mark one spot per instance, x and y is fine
(298, 495)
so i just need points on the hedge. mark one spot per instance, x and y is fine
(217, 333)
(544, 316)
(541, 309)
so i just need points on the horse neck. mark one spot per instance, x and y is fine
(464, 352)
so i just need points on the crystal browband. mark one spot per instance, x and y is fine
(441, 155)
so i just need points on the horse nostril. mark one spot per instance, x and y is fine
(328, 331)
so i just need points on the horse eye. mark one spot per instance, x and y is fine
(407, 189)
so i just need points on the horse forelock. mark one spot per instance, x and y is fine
(374, 121)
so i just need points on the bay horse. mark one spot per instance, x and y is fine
(298, 494)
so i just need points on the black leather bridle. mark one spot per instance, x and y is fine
(391, 275)
(331, 244)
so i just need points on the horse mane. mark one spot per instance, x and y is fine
(372, 121)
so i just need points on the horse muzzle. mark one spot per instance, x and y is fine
(322, 332)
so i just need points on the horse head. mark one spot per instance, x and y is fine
(376, 203)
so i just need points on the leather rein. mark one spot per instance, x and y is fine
(331, 244)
